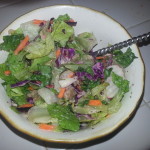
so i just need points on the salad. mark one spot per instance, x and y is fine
(53, 80)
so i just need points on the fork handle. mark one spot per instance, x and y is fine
(135, 40)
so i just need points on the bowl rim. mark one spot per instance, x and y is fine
(14, 125)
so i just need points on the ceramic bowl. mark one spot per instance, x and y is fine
(107, 31)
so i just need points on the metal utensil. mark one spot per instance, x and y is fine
(134, 40)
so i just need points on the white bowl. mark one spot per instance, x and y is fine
(106, 30)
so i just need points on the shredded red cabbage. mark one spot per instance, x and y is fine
(30, 100)
(65, 57)
(98, 70)
(79, 92)
(21, 83)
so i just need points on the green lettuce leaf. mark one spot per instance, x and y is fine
(89, 109)
(77, 46)
(38, 61)
(121, 83)
(17, 31)
(64, 18)
(100, 116)
(66, 119)
(18, 66)
(45, 75)
(10, 78)
(62, 32)
(40, 48)
(87, 40)
(115, 103)
(18, 95)
(11, 42)
(96, 90)
(124, 59)
(123, 86)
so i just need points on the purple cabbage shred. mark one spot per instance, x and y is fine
(30, 100)
(65, 57)
(98, 70)
(21, 83)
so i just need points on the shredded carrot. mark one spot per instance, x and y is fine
(46, 126)
(7, 72)
(101, 57)
(36, 21)
(22, 44)
(71, 75)
(30, 88)
(26, 106)
(95, 102)
(58, 53)
(61, 93)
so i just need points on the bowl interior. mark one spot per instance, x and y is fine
(107, 31)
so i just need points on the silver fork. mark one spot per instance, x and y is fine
(135, 40)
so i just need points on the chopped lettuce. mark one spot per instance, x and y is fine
(10, 79)
(107, 72)
(97, 117)
(64, 18)
(16, 94)
(40, 48)
(121, 83)
(115, 103)
(11, 42)
(55, 77)
(66, 119)
(62, 32)
(44, 75)
(96, 90)
(87, 40)
(30, 29)
(77, 46)
(39, 114)
(124, 59)
(17, 66)
(89, 109)
(17, 31)
(38, 61)
(123, 86)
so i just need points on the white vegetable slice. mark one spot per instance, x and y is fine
(47, 95)
(39, 114)
(66, 82)
(112, 89)
(65, 74)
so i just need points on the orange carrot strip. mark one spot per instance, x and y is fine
(101, 57)
(26, 106)
(58, 53)
(30, 88)
(95, 103)
(21, 45)
(36, 21)
(46, 127)
(7, 72)
(71, 75)
(61, 93)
